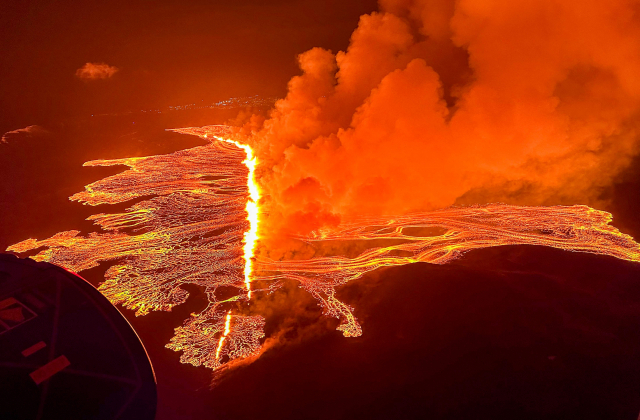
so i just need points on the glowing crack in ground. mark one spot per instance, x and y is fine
(195, 221)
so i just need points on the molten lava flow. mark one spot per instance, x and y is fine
(188, 226)
(196, 222)
(438, 237)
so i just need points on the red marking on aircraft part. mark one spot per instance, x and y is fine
(30, 350)
(45, 372)
(7, 302)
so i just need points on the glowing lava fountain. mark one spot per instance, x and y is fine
(196, 222)
(251, 236)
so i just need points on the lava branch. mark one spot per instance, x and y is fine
(227, 329)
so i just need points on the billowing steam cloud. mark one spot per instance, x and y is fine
(438, 102)
(94, 71)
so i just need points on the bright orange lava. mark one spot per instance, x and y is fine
(196, 222)
(250, 236)
(225, 333)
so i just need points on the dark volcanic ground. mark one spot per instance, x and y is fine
(503, 333)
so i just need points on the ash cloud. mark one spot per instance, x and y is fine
(95, 71)
(436, 103)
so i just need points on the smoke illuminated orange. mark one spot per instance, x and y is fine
(197, 223)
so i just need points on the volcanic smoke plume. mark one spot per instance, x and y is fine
(438, 102)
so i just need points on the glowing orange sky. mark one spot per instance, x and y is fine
(169, 52)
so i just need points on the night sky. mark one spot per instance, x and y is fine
(168, 52)
(504, 333)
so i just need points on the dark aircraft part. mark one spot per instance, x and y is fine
(65, 351)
